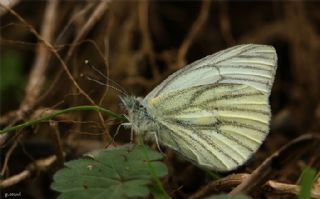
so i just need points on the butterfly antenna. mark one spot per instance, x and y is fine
(123, 91)
(104, 84)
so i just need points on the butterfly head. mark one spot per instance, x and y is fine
(131, 103)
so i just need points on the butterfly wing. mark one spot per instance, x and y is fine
(216, 126)
(215, 111)
(248, 64)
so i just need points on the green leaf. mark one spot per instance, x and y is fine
(119, 173)
(225, 196)
(307, 179)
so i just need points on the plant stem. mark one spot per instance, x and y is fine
(153, 172)
(54, 114)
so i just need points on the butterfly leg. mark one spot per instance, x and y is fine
(117, 131)
(157, 140)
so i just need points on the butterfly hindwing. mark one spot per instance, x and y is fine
(216, 126)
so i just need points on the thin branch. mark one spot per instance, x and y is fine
(194, 31)
(106, 57)
(41, 165)
(287, 189)
(57, 141)
(92, 21)
(147, 45)
(37, 75)
(265, 33)
(225, 25)
(227, 183)
(99, 11)
(9, 152)
(10, 4)
(220, 185)
(55, 81)
(53, 50)
(275, 162)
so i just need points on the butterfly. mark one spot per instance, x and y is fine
(215, 112)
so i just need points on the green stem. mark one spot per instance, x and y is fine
(54, 114)
(152, 170)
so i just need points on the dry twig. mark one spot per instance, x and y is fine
(286, 189)
(147, 45)
(37, 75)
(99, 11)
(54, 51)
(194, 31)
(9, 152)
(227, 183)
(57, 141)
(9, 3)
(275, 162)
(38, 165)
(225, 25)
(218, 186)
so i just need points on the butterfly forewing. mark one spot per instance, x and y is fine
(249, 64)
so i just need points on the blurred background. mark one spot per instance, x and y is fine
(137, 44)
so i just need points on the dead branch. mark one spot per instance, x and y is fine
(227, 183)
(58, 142)
(9, 152)
(57, 78)
(147, 45)
(38, 165)
(288, 153)
(220, 185)
(37, 75)
(53, 50)
(9, 3)
(106, 58)
(225, 25)
(99, 11)
(265, 33)
(287, 189)
(192, 34)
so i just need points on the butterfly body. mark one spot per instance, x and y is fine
(140, 119)
(215, 111)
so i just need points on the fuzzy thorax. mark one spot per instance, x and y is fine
(140, 120)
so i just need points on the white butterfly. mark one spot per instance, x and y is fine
(215, 111)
